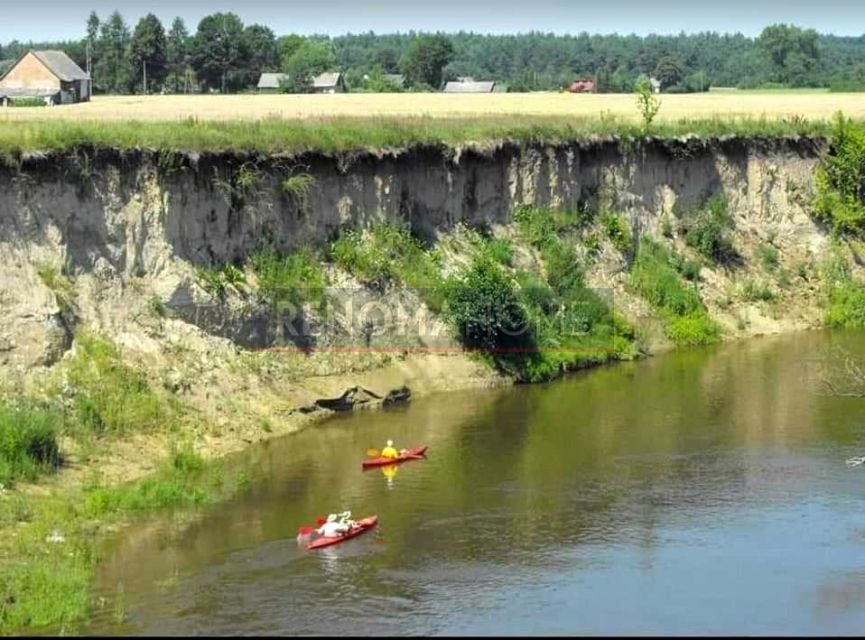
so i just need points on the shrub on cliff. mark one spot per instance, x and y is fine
(840, 200)
(483, 305)
(707, 232)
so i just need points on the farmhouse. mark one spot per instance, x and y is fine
(322, 83)
(470, 87)
(50, 75)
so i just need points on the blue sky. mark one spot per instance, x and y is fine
(60, 19)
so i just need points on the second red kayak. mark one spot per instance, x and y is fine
(362, 526)
(411, 454)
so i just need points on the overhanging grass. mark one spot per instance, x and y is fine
(351, 134)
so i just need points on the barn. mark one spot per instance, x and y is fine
(50, 75)
(470, 87)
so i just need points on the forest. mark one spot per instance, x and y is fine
(223, 54)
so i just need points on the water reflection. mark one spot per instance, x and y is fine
(665, 496)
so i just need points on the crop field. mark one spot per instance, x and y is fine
(731, 104)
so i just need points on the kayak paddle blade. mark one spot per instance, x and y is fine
(320, 521)
(373, 453)
(305, 531)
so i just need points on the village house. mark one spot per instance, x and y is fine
(470, 87)
(322, 83)
(49, 75)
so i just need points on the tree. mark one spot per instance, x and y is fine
(387, 59)
(113, 72)
(148, 52)
(669, 71)
(92, 36)
(311, 59)
(92, 27)
(177, 53)
(219, 52)
(792, 53)
(647, 102)
(287, 46)
(260, 43)
(426, 59)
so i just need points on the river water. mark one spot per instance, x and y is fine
(699, 492)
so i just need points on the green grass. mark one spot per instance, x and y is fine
(51, 542)
(757, 292)
(353, 134)
(768, 256)
(390, 253)
(109, 396)
(654, 276)
(28, 441)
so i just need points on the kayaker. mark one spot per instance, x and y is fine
(334, 526)
(389, 451)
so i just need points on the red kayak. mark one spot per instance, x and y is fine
(411, 454)
(360, 527)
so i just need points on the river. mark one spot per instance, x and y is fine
(698, 492)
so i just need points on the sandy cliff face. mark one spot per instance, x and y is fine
(127, 228)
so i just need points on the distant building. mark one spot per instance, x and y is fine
(582, 86)
(269, 82)
(50, 75)
(322, 83)
(470, 87)
(655, 84)
(397, 79)
(328, 83)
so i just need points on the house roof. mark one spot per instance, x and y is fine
(271, 80)
(57, 63)
(324, 80)
(470, 87)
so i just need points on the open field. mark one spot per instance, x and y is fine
(732, 104)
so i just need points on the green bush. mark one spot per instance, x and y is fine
(707, 232)
(28, 441)
(845, 296)
(294, 278)
(483, 305)
(841, 180)
(693, 329)
(617, 231)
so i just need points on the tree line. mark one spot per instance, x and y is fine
(227, 56)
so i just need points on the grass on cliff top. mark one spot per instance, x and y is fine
(373, 133)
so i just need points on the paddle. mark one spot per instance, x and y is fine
(305, 531)
(373, 453)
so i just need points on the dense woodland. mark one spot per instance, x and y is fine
(222, 54)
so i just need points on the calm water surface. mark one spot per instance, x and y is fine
(700, 492)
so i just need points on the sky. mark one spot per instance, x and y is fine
(65, 19)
